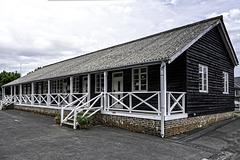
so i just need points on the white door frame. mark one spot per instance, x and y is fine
(86, 87)
(114, 80)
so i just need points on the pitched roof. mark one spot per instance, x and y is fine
(164, 46)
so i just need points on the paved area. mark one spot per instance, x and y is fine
(30, 136)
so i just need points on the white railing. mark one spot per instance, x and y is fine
(40, 99)
(82, 105)
(8, 99)
(145, 102)
(79, 101)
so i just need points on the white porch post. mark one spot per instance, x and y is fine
(48, 95)
(71, 90)
(11, 92)
(32, 94)
(20, 93)
(163, 84)
(3, 93)
(14, 94)
(105, 89)
(89, 89)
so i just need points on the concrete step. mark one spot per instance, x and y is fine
(68, 124)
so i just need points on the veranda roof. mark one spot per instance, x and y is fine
(164, 46)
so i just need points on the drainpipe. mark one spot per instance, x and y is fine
(163, 85)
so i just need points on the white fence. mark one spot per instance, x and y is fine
(131, 102)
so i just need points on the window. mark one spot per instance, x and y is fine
(45, 87)
(28, 89)
(225, 83)
(99, 82)
(56, 86)
(75, 84)
(53, 86)
(140, 79)
(203, 78)
(24, 89)
(237, 93)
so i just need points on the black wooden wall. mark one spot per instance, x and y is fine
(209, 51)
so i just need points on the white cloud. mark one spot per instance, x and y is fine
(37, 32)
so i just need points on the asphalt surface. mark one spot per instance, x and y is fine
(30, 136)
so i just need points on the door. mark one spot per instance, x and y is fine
(117, 86)
(84, 84)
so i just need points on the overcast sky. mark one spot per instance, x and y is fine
(39, 32)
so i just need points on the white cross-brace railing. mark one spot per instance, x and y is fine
(40, 99)
(145, 102)
(8, 99)
(75, 104)
(82, 105)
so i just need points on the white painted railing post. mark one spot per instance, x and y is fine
(74, 118)
(130, 102)
(62, 115)
(163, 85)
(32, 94)
(11, 92)
(105, 89)
(169, 103)
(89, 89)
(71, 90)
(183, 102)
(48, 95)
(14, 94)
(159, 103)
(20, 93)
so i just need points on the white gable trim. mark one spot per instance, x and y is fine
(227, 43)
(224, 36)
(192, 42)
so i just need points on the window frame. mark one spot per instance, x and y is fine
(202, 78)
(225, 83)
(139, 79)
(237, 93)
(101, 81)
(76, 84)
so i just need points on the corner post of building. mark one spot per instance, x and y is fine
(32, 93)
(11, 93)
(71, 90)
(14, 94)
(48, 95)
(105, 89)
(89, 89)
(20, 94)
(163, 85)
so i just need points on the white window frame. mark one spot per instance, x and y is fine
(225, 83)
(101, 81)
(202, 76)
(139, 77)
(237, 93)
(57, 86)
(76, 84)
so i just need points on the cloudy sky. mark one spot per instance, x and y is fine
(39, 32)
